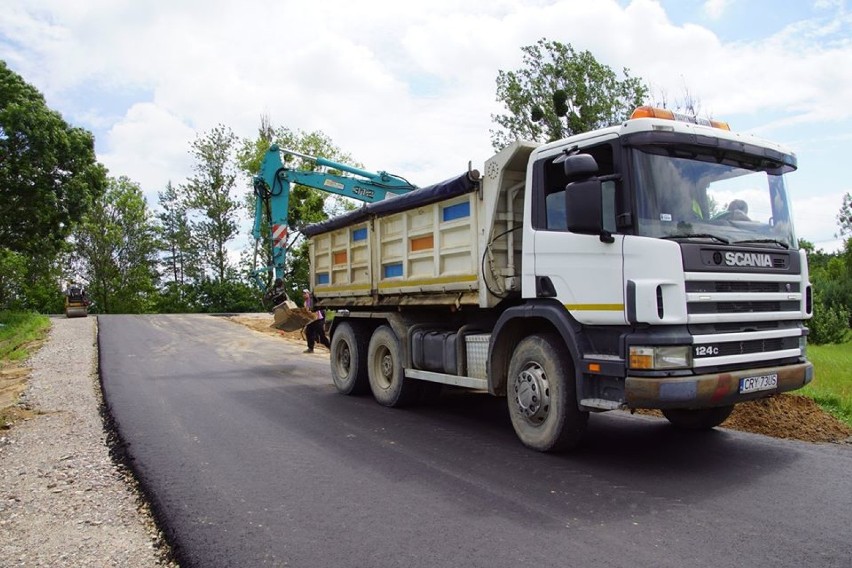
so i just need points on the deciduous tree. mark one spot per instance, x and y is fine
(115, 247)
(210, 198)
(559, 92)
(48, 173)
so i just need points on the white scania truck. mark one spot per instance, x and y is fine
(652, 264)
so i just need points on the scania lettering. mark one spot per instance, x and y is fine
(748, 259)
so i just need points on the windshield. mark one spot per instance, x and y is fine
(729, 198)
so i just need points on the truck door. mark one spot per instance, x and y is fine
(584, 272)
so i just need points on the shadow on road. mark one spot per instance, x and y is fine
(463, 446)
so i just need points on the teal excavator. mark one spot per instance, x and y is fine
(272, 190)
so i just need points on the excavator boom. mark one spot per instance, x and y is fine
(272, 190)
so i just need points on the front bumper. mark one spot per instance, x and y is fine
(704, 391)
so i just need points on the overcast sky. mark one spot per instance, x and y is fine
(409, 86)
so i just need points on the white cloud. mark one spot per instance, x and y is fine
(407, 87)
(150, 146)
(816, 217)
(715, 9)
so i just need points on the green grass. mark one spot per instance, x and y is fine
(832, 384)
(18, 332)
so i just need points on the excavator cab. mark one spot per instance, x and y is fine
(76, 302)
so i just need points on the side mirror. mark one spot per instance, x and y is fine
(579, 166)
(583, 210)
(588, 204)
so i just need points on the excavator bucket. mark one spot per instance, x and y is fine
(288, 317)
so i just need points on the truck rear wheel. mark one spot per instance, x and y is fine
(541, 394)
(698, 418)
(349, 360)
(384, 368)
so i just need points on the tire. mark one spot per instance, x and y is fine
(542, 395)
(698, 418)
(349, 360)
(385, 371)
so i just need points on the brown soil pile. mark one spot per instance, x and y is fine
(263, 323)
(784, 416)
(788, 416)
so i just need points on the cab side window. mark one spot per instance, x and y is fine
(554, 182)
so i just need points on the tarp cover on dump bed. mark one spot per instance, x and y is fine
(423, 196)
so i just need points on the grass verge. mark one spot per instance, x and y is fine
(832, 384)
(20, 335)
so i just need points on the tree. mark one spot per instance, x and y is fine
(209, 195)
(307, 205)
(844, 216)
(179, 254)
(560, 92)
(115, 247)
(48, 173)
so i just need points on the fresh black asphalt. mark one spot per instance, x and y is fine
(251, 458)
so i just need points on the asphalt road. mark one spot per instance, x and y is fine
(251, 458)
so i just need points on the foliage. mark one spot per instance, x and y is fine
(179, 259)
(115, 250)
(18, 331)
(560, 92)
(844, 216)
(307, 205)
(829, 324)
(31, 282)
(48, 173)
(13, 267)
(831, 276)
(209, 194)
(228, 295)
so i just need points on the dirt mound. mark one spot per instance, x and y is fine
(788, 416)
(784, 416)
(264, 322)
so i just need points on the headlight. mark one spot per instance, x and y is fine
(661, 357)
(803, 345)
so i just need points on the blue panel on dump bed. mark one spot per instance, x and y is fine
(392, 270)
(458, 211)
(423, 196)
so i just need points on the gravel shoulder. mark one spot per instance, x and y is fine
(63, 500)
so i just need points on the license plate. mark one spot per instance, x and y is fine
(756, 384)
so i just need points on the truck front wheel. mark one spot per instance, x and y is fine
(384, 368)
(541, 394)
(349, 360)
(698, 418)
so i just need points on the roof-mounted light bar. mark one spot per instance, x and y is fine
(653, 112)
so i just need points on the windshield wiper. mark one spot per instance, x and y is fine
(781, 244)
(698, 236)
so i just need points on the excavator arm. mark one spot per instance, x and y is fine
(272, 189)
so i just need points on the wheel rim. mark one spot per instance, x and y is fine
(343, 360)
(532, 394)
(384, 367)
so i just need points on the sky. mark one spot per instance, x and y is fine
(409, 87)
